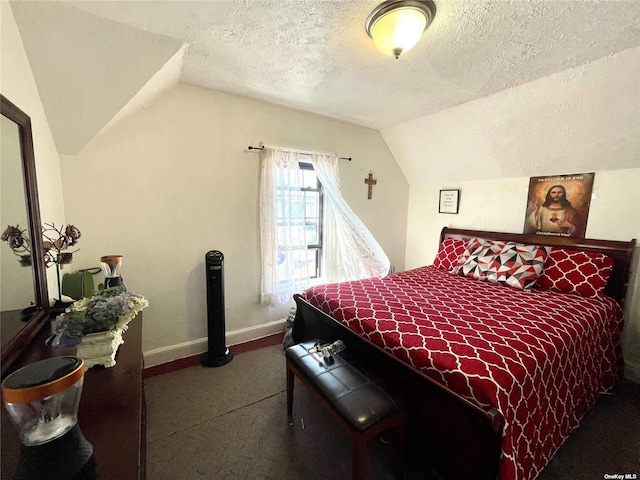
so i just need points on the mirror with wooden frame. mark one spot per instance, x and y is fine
(24, 299)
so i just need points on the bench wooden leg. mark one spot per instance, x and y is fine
(290, 380)
(400, 435)
(358, 456)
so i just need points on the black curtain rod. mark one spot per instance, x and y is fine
(262, 148)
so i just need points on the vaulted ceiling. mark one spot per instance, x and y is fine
(94, 61)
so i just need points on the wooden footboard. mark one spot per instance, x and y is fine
(456, 437)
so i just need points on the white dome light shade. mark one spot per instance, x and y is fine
(398, 30)
(397, 25)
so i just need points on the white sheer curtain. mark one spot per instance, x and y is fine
(349, 250)
(284, 246)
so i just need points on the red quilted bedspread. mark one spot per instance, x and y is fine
(540, 358)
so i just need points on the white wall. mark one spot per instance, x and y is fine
(18, 85)
(582, 120)
(176, 180)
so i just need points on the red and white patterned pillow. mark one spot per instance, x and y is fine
(581, 273)
(470, 246)
(513, 264)
(448, 253)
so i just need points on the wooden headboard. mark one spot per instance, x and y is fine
(621, 252)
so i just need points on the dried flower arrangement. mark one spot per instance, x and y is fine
(56, 242)
(18, 243)
(104, 310)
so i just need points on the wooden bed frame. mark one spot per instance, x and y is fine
(455, 437)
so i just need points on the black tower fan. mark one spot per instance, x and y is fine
(218, 354)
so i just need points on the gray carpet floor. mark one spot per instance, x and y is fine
(231, 423)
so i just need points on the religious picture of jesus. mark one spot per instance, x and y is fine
(559, 205)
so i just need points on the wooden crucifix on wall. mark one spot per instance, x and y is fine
(370, 183)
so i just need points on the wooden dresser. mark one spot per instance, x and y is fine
(111, 414)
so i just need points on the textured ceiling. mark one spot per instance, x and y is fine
(314, 55)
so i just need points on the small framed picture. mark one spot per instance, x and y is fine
(449, 201)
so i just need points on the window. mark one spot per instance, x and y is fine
(308, 232)
(299, 208)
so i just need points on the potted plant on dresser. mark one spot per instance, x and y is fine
(96, 324)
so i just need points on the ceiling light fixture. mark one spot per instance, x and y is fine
(396, 25)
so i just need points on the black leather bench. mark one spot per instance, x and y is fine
(360, 405)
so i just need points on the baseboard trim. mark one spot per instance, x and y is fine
(162, 355)
(632, 372)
